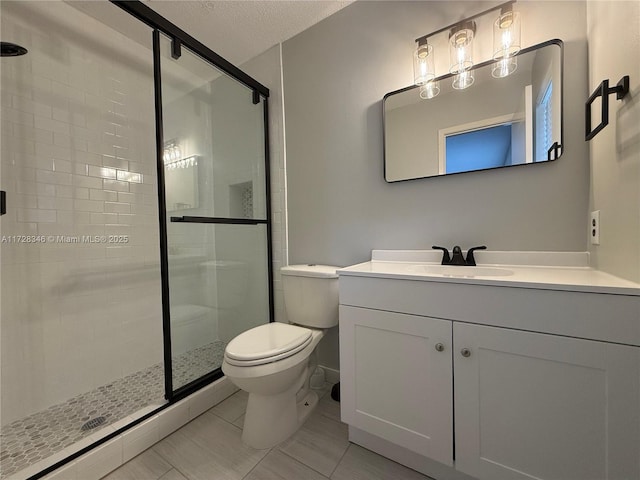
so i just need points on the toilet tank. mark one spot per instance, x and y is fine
(311, 295)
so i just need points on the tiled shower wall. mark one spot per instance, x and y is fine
(81, 302)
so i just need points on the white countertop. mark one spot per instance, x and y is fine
(567, 271)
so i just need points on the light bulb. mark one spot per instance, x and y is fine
(461, 47)
(423, 63)
(506, 34)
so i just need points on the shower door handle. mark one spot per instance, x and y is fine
(236, 221)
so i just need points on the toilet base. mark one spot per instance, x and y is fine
(271, 419)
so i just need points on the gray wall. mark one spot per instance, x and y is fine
(615, 151)
(335, 75)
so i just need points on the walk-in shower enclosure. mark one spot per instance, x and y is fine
(135, 234)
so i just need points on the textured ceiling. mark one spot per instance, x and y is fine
(238, 30)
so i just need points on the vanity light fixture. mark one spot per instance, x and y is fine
(506, 44)
(423, 63)
(171, 152)
(506, 41)
(461, 46)
(172, 157)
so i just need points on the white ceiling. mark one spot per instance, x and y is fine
(237, 30)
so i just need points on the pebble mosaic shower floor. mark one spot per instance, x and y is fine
(38, 436)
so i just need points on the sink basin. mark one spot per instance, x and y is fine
(460, 271)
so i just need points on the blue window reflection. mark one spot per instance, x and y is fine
(479, 149)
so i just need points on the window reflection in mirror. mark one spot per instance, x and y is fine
(497, 122)
(479, 149)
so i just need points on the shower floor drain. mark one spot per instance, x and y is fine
(93, 423)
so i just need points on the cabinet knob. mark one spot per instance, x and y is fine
(465, 352)
(439, 347)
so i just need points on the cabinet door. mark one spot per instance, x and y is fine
(395, 379)
(534, 406)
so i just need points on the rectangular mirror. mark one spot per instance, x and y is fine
(494, 123)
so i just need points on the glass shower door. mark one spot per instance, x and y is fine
(215, 193)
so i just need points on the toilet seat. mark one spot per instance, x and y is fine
(266, 344)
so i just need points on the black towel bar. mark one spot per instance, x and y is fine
(603, 90)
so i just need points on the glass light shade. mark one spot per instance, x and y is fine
(463, 80)
(423, 64)
(506, 35)
(504, 67)
(461, 47)
(429, 90)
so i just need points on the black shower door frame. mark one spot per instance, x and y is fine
(181, 38)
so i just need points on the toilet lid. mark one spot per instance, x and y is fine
(267, 343)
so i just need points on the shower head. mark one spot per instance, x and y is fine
(11, 50)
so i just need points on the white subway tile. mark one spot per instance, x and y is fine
(81, 193)
(146, 189)
(17, 116)
(52, 151)
(63, 166)
(81, 169)
(57, 178)
(104, 218)
(87, 182)
(24, 201)
(82, 217)
(88, 205)
(130, 176)
(112, 161)
(105, 195)
(62, 140)
(112, 207)
(32, 133)
(62, 115)
(27, 105)
(102, 172)
(46, 189)
(115, 185)
(82, 156)
(37, 216)
(55, 203)
(49, 124)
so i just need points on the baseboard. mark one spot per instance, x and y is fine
(331, 375)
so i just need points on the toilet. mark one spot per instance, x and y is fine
(274, 362)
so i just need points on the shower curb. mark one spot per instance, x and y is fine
(105, 458)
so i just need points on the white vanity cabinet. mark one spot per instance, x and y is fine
(401, 381)
(530, 405)
(446, 372)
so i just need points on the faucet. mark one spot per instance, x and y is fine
(457, 258)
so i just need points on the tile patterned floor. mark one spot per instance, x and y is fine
(36, 437)
(210, 447)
